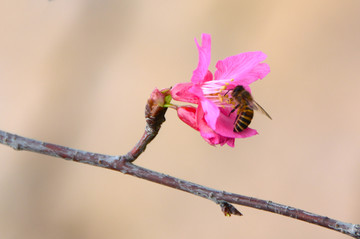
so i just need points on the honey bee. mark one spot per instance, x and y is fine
(245, 106)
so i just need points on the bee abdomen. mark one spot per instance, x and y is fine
(244, 119)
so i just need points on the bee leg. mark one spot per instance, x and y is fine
(234, 109)
(227, 92)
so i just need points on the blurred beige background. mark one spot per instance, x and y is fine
(78, 73)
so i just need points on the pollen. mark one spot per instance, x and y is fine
(224, 87)
(221, 98)
(217, 92)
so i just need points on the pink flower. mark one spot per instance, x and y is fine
(211, 116)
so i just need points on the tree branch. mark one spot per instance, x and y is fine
(154, 118)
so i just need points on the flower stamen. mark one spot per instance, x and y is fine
(214, 91)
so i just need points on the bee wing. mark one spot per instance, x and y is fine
(254, 105)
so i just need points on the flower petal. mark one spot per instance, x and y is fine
(188, 115)
(194, 117)
(204, 59)
(211, 112)
(231, 142)
(258, 72)
(209, 134)
(242, 66)
(181, 92)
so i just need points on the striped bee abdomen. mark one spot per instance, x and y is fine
(243, 118)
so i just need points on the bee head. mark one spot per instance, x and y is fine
(238, 89)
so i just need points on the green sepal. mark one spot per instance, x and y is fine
(168, 99)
